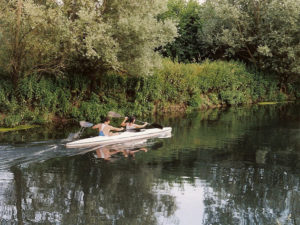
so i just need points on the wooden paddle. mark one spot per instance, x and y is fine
(117, 115)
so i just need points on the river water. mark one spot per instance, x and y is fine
(222, 166)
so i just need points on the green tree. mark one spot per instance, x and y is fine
(33, 38)
(263, 33)
(96, 36)
(187, 46)
(138, 32)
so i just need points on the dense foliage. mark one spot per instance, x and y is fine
(187, 46)
(80, 59)
(173, 87)
(264, 34)
(55, 37)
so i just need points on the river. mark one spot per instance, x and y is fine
(239, 165)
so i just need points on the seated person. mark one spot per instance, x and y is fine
(105, 129)
(128, 122)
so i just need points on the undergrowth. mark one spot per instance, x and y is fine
(175, 86)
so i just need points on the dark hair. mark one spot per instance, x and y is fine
(131, 119)
(106, 119)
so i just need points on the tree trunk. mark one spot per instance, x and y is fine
(16, 54)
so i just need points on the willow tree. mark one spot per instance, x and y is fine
(33, 38)
(263, 33)
(52, 36)
(138, 32)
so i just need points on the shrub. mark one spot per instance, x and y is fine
(173, 86)
(12, 120)
(213, 97)
(196, 101)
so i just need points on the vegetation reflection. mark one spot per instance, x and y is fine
(246, 161)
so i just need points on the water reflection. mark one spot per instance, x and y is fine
(107, 152)
(137, 194)
(88, 195)
(238, 166)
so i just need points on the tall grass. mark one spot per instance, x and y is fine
(175, 86)
(218, 82)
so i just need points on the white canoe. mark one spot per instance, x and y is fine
(122, 137)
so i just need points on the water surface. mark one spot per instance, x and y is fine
(229, 166)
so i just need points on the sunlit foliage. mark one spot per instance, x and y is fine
(49, 37)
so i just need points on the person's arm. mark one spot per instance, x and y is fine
(97, 126)
(123, 124)
(140, 126)
(116, 129)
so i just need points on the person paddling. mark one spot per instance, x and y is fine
(128, 122)
(105, 128)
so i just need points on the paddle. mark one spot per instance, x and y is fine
(117, 115)
(76, 135)
(85, 124)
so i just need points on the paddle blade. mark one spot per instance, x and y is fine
(85, 124)
(113, 114)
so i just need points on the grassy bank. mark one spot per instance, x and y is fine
(173, 87)
(21, 127)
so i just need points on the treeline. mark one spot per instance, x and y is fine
(90, 37)
(80, 59)
(263, 34)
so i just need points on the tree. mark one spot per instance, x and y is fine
(33, 36)
(263, 33)
(187, 46)
(52, 36)
(138, 32)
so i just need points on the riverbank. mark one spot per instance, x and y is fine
(174, 87)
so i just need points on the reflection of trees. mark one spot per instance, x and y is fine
(215, 127)
(237, 190)
(19, 194)
(251, 166)
(249, 161)
(8, 209)
(83, 191)
(242, 190)
(251, 196)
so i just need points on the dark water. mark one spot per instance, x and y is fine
(233, 166)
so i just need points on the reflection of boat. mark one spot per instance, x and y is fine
(123, 137)
(107, 152)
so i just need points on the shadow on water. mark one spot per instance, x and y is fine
(231, 166)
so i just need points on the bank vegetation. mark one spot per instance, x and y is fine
(77, 60)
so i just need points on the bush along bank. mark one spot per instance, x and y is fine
(217, 83)
(173, 87)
